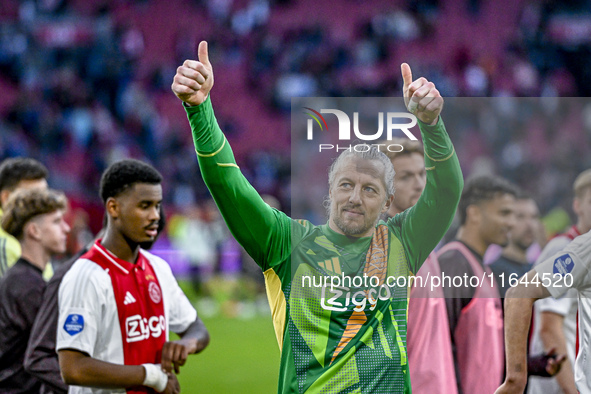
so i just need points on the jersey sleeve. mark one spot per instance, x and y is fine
(40, 359)
(10, 251)
(423, 225)
(264, 232)
(181, 313)
(81, 298)
(568, 268)
(562, 305)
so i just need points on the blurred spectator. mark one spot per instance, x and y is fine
(85, 83)
(199, 233)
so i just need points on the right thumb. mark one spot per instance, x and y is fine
(406, 75)
(202, 52)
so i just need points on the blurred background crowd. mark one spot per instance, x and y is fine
(84, 83)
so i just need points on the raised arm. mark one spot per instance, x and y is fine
(264, 232)
(426, 222)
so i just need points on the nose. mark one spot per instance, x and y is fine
(66, 227)
(154, 213)
(511, 220)
(355, 196)
(420, 182)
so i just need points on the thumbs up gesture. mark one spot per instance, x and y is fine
(194, 79)
(421, 97)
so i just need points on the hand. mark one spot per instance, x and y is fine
(174, 354)
(420, 97)
(554, 362)
(194, 79)
(173, 386)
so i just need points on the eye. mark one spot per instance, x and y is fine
(345, 185)
(370, 189)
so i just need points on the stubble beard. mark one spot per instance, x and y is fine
(351, 228)
(348, 229)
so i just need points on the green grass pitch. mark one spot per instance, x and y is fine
(242, 357)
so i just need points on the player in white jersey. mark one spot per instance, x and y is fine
(118, 303)
(555, 319)
(568, 269)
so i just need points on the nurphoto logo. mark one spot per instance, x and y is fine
(395, 121)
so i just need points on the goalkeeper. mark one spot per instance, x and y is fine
(328, 343)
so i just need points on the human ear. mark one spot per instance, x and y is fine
(112, 207)
(576, 206)
(32, 230)
(473, 214)
(388, 204)
(4, 194)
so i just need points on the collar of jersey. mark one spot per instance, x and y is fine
(475, 253)
(341, 239)
(28, 263)
(124, 266)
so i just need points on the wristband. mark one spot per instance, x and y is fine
(155, 377)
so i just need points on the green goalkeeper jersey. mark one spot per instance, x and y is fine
(346, 337)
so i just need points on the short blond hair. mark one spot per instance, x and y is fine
(582, 183)
(24, 205)
(408, 147)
